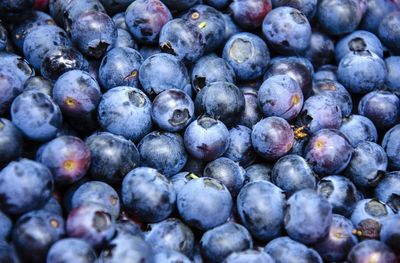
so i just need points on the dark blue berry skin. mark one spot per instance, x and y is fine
(32, 20)
(5, 226)
(163, 151)
(338, 243)
(41, 40)
(112, 157)
(60, 60)
(287, 250)
(370, 250)
(358, 129)
(147, 51)
(124, 39)
(125, 111)
(127, 226)
(356, 42)
(367, 165)
(368, 214)
(204, 203)
(326, 72)
(67, 157)
(10, 87)
(209, 69)
(97, 192)
(240, 149)
(230, 27)
(337, 92)
(392, 78)
(227, 172)
(389, 233)
(320, 112)
(171, 234)
(258, 172)
(362, 72)
(36, 115)
(381, 107)
(249, 256)
(391, 144)
(92, 223)
(272, 137)
(53, 206)
(307, 7)
(17, 66)
(218, 243)
(11, 142)
(71, 250)
(287, 30)
(145, 19)
(294, 68)
(93, 32)
(12, 10)
(308, 216)
(161, 72)
(120, 67)
(181, 38)
(388, 190)
(220, 100)
(260, 205)
(206, 138)
(148, 194)
(125, 248)
(37, 231)
(376, 11)
(339, 16)
(180, 179)
(389, 31)
(24, 186)
(78, 94)
(249, 14)
(251, 113)
(172, 110)
(180, 5)
(280, 96)
(211, 23)
(291, 173)
(114, 6)
(8, 253)
(321, 50)
(340, 192)
(218, 4)
(168, 255)
(247, 54)
(328, 152)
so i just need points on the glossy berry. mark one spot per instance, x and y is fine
(371, 250)
(249, 14)
(251, 113)
(358, 129)
(240, 149)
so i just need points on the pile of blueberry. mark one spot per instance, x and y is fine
(178, 131)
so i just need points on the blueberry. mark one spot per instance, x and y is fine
(218, 4)
(204, 203)
(280, 96)
(206, 138)
(113, 6)
(272, 137)
(258, 172)
(181, 38)
(8, 253)
(180, 179)
(339, 16)
(148, 194)
(37, 231)
(119, 21)
(249, 256)
(112, 156)
(230, 27)
(286, 250)
(321, 50)
(391, 144)
(340, 192)
(10, 87)
(389, 233)
(307, 7)
(18, 67)
(93, 32)
(381, 107)
(5, 226)
(249, 14)
(125, 111)
(251, 113)
(218, 243)
(240, 149)
(260, 205)
(124, 39)
(11, 142)
(25, 185)
(53, 206)
(163, 151)
(375, 12)
(120, 67)
(92, 223)
(358, 129)
(71, 250)
(367, 165)
(287, 30)
(371, 250)
(362, 72)
(392, 79)
(389, 33)
(326, 72)
(170, 256)
(147, 51)
(171, 234)
(172, 110)
(247, 54)
(179, 5)
(340, 240)
(13, 10)
(388, 190)
(161, 72)
(129, 227)
(97, 192)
